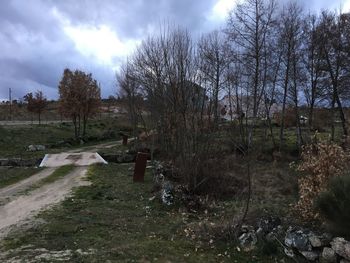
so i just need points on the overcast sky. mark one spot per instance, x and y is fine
(39, 38)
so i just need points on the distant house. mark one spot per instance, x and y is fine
(231, 107)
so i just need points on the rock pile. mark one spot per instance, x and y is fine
(296, 241)
(314, 247)
(36, 148)
(119, 157)
(166, 187)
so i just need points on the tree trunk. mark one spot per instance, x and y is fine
(342, 115)
(333, 117)
(84, 125)
(284, 107)
(75, 127)
(286, 83)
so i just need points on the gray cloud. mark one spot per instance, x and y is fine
(34, 48)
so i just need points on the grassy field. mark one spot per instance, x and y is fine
(14, 140)
(116, 220)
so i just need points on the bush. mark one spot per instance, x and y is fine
(334, 205)
(320, 162)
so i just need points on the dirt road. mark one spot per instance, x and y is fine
(9, 193)
(95, 148)
(24, 123)
(18, 211)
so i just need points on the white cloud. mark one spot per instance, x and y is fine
(97, 42)
(346, 6)
(222, 8)
(100, 42)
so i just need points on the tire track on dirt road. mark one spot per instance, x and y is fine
(9, 192)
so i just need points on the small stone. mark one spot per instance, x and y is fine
(315, 241)
(246, 228)
(248, 241)
(344, 261)
(310, 255)
(328, 255)
(289, 252)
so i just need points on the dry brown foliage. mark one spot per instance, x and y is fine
(320, 162)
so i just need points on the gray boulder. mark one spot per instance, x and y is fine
(167, 193)
(289, 252)
(297, 239)
(35, 148)
(315, 241)
(341, 247)
(248, 241)
(328, 255)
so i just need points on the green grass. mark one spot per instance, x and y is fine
(58, 173)
(14, 140)
(10, 176)
(116, 218)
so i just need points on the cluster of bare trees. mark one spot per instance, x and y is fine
(164, 71)
(292, 58)
(267, 55)
(79, 98)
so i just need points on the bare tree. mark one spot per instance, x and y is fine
(214, 54)
(312, 62)
(130, 91)
(290, 30)
(333, 44)
(248, 27)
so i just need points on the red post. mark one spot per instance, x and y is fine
(140, 167)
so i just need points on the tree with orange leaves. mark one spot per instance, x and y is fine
(80, 98)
